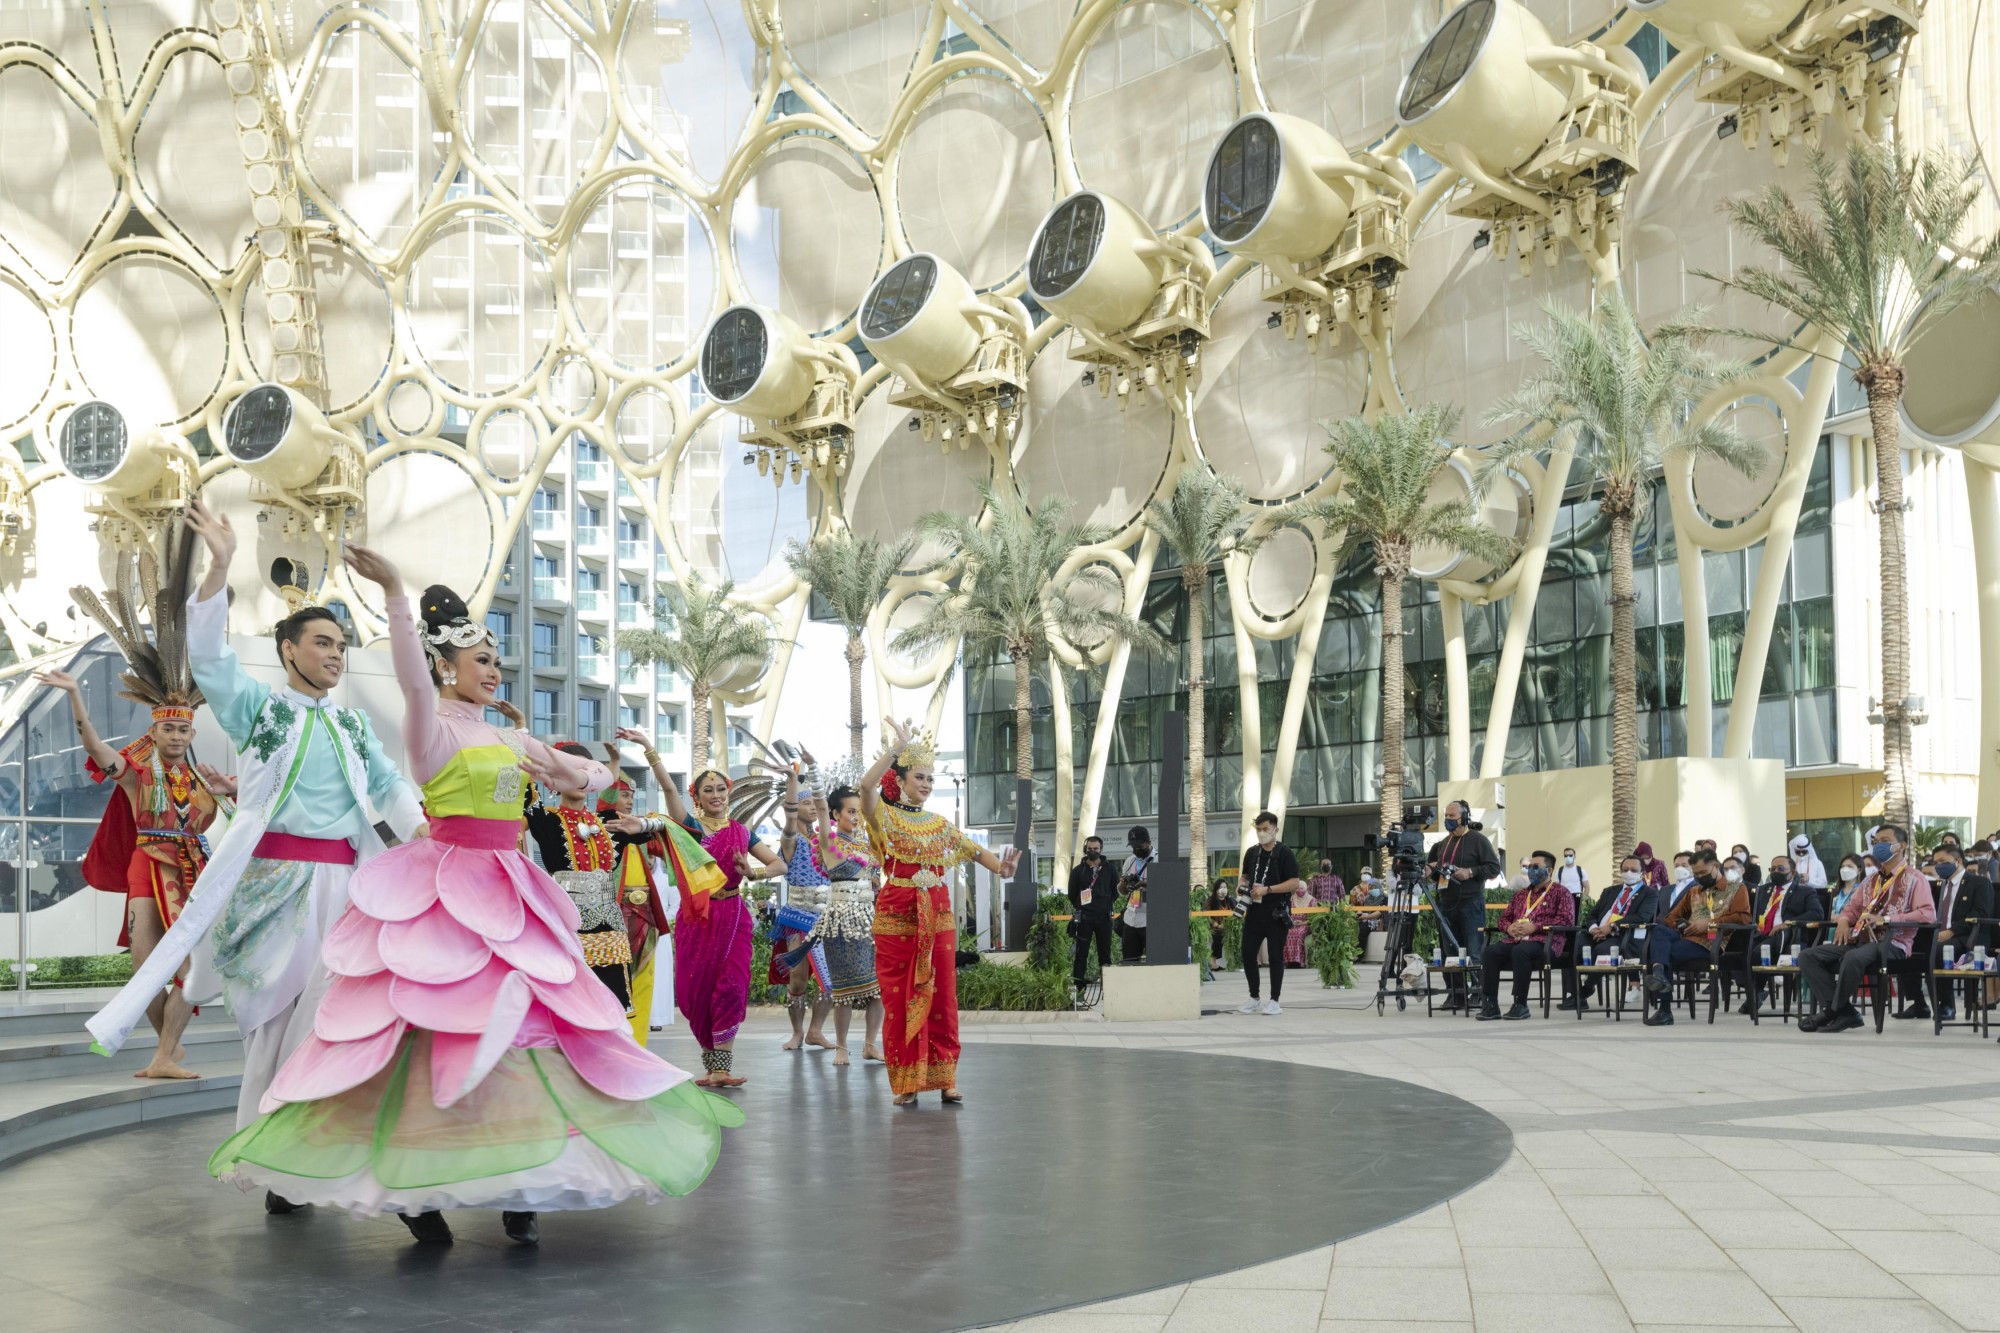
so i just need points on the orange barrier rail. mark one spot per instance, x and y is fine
(1317, 910)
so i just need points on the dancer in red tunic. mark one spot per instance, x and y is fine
(916, 937)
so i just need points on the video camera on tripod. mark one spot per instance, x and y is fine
(1404, 846)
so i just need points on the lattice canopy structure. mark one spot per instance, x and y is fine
(466, 234)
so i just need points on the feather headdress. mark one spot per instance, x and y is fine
(157, 673)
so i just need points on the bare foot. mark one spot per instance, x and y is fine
(794, 1043)
(162, 1068)
(729, 1081)
(821, 1040)
(840, 1057)
(872, 1053)
(180, 1053)
(907, 1099)
(952, 1097)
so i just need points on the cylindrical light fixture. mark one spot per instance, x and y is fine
(914, 320)
(1473, 88)
(755, 362)
(1095, 262)
(277, 435)
(1273, 192)
(96, 446)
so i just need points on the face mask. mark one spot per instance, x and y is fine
(1882, 851)
(1733, 876)
(1849, 874)
(1536, 874)
(1450, 824)
(1946, 869)
(1706, 881)
(1682, 874)
(1781, 877)
(1569, 859)
(1740, 854)
(1267, 836)
(1630, 878)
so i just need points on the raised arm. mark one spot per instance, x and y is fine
(230, 692)
(564, 772)
(669, 792)
(871, 781)
(94, 745)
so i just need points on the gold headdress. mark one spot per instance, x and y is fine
(157, 672)
(921, 752)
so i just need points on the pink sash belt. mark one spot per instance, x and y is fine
(292, 847)
(487, 835)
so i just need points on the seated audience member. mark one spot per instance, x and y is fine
(1367, 892)
(1681, 879)
(1853, 873)
(1715, 898)
(1295, 938)
(1611, 922)
(1878, 926)
(1753, 874)
(1651, 866)
(1782, 906)
(1807, 868)
(1221, 898)
(1527, 939)
(1963, 899)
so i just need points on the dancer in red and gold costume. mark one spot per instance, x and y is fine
(916, 936)
(149, 845)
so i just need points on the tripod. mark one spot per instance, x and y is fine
(1410, 886)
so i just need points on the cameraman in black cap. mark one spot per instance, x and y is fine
(1461, 866)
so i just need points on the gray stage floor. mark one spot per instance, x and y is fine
(1071, 1175)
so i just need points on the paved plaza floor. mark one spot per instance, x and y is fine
(1692, 1177)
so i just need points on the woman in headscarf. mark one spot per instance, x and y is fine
(1654, 869)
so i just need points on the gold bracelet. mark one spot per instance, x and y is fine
(652, 755)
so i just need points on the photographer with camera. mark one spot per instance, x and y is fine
(1270, 876)
(1132, 882)
(1090, 895)
(1460, 867)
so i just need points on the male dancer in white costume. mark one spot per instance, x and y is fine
(307, 771)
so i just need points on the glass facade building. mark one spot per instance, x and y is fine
(1562, 714)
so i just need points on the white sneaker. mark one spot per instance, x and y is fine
(1271, 1007)
(1250, 1007)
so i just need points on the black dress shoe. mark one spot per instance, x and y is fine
(521, 1227)
(1658, 979)
(1454, 1004)
(429, 1228)
(1845, 1021)
(1913, 1011)
(1662, 1017)
(1569, 1004)
(1517, 1013)
(277, 1207)
(1948, 1014)
(1489, 1013)
(1811, 1022)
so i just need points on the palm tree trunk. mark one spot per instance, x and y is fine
(855, 654)
(1196, 580)
(1024, 776)
(697, 729)
(1624, 675)
(1885, 390)
(1392, 704)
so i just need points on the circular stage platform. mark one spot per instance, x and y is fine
(1073, 1174)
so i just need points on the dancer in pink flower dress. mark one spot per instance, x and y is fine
(465, 1056)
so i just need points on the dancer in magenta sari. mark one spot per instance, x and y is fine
(714, 936)
(465, 1056)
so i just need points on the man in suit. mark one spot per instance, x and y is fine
(1610, 924)
(1963, 898)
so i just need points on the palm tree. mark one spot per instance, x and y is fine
(1622, 405)
(1386, 469)
(1202, 520)
(1012, 598)
(698, 633)
(1874, 261)
(853, 574)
